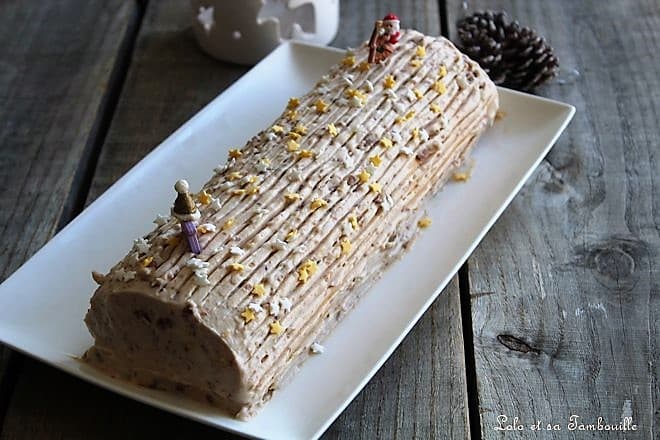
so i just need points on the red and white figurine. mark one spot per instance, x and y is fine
(385, 35)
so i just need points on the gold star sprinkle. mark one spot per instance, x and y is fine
(424, 222)
(293, 135)
(415, 133)
(321, 106)
(355, 93)
(409, 115)
(418, 93)
(228, 224)
(234, 175)
(291, 115)
(305, 154)
(389, 82)
(318, 203)
(293, 103)
(345, 246)
(332, 130)
(439, 87)
(292, 145)
(303, 275)
(276, 328)
(352, 219)
(420, 51)
(416, 63)
(442, 72)
(259, 289)
(248, 315)
(291, 235)
(204, 197)
(202, 229)
(238, 192)
(375, 187)
(348, 61)
(146, 261)
(252, 189)
(435, 108)
(364, 66)
(375, 160)
(236, 267)
(385, 142)
(364, 176)
(292, 197)
(300, 129)
(276, 129)
(235, 154)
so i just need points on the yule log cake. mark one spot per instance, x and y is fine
(293, 229)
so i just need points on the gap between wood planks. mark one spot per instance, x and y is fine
(82, 179)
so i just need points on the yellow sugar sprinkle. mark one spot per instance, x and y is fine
(375, 160)
(291, 115)
(409, 115)
(385, 142)
(420, 51)
(228, 224)
(321, 106)
(364, 66)
(332, 129)
(251, 179)
(303, 275)
(435, 108)
(352, 219)
(424, 222)
(276, 129)
(418, 93)
(259, 289)
(146, 261)
(202, 229)
(204, 197)
(355, 93)
(236, 267)
(173, 240)
(460, 176)
(416, 63)
(300, 129)
(293, 103)
(364, 176)
(292, 197)
(439, 87)
(276, 328)
(415, 133)
(442, 72)
(345, 246)
(291, 235)
(348, 61)
(310, 266)
(238, 192)
(252, 189)
(248, 315)
(318, 203)
(307, 269)
(235, 153)
(292, 145)
(399, 119)
(305, 154)
(375, 187)
(389, 82)
(234, 175)
(293, 135)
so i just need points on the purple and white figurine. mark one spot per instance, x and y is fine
(186, 212)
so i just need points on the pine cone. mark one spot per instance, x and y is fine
(513, 56)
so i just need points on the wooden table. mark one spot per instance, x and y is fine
(554, 314)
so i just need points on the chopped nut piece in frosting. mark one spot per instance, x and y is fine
(389, 82)
(276, 328)
(259, 289)
(235, 153)
(248, 315)
(424, 222)
(293, 103)
(318, 203)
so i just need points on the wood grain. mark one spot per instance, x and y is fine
(419, 393)
(564, 289)
(44, 145)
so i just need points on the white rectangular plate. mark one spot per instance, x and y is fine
(43, 303)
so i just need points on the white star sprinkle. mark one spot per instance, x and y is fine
(205, 18)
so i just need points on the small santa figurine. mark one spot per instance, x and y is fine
(186, 212)
(385, 35)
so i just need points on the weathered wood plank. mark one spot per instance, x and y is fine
(45, 62)
(169, 80)
(564, 289)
